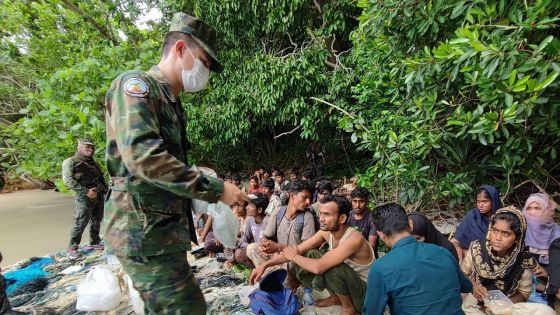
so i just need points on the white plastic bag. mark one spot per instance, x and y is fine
(201, 206)
(134, 296)
(224, 224)
(99, 291)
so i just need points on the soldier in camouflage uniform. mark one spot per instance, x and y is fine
(5, 307)
(148, 221)
(84, 176)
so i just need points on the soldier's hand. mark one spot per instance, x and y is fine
(92, 194)
(232, 194)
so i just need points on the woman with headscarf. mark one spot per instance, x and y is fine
(499, 262)
(475, 223)
(542, 231)
(424, 231)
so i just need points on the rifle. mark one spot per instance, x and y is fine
(100, 186)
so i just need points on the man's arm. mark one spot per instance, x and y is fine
(69, 180)
(257, 273)
(143, 150)
(372, 239)
(331, 258)
(376, 294)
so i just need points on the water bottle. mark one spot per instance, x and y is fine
(308, 303)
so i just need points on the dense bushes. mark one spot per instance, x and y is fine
(438, 96)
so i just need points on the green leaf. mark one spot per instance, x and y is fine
(509, 99)
(455, 123)
(545, 42)
(546, 82)
(459, 41)
(512, 76)
(458, 9)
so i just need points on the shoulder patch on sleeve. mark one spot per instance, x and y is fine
(136, 87)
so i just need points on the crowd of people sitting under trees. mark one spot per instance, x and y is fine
(329, 238)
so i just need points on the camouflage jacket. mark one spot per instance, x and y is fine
(147, 209)
(79, 175)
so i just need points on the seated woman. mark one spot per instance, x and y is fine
(499, 262)
(475, 223)
(541, 232)
(424, 231)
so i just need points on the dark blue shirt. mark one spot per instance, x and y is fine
(415, 278)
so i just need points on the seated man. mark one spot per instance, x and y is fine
(342, 270)
(211, 244)
(414, 277)
(274, 203)
(324, 189)
(256, 223)
(361, 216)
(240, 213)
(291, 225)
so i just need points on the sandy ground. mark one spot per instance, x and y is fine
(35, 223)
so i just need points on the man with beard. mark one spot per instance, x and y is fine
(84, 176)
(342, 269)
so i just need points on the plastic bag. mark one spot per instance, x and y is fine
(224, 224)
(201, 206)
(134, 296)
(99, 291)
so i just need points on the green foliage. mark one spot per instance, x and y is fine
(453, 94)
(439, 96)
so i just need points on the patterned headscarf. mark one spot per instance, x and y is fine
(502, 273)
(541, 229)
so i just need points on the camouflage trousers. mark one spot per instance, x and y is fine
(4, 303)
(87, 211)
(165, 283)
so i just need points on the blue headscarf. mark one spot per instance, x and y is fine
(475, 225)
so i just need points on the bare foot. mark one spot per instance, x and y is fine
(330, 301)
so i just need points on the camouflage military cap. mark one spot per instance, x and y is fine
(85, 141)
(202, 33)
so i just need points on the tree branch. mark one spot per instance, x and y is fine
(104, 31)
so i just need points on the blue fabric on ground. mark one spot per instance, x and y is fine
(19, 277)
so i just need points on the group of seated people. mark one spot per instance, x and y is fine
(330, 241)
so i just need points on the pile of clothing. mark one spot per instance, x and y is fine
(48, 285)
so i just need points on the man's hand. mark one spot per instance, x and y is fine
(290, 252)
(256, 274)
(92, 194)
(479, 292)
(232, 194)
(269, 247)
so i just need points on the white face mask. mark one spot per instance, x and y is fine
(195, 79)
